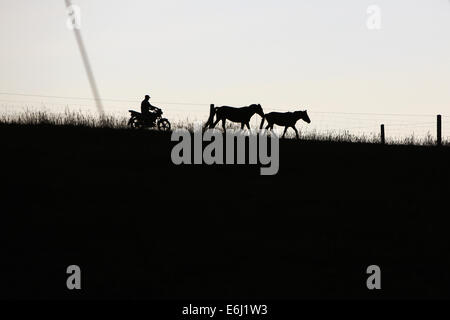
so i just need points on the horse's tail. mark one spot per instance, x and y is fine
(262, 122)
(212, 113)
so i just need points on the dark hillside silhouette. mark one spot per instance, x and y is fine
(84, 196)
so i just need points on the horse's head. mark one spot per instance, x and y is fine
(303, 115)
(258, 109)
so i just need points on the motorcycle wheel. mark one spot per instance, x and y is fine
(133, 122)
(163, 125)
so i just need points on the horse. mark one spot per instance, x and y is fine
(286, 120)
(240, 115)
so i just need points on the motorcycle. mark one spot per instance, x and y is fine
(155, 119)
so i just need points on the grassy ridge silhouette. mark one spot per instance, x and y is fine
(110, 200)
(79, 119)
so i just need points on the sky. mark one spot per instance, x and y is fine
(286, 55)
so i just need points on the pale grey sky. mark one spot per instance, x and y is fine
(284, 54)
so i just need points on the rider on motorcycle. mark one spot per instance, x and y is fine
(146, 107)
(149, 117)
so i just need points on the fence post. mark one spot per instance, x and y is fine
(211, 117)
(383, 140)
(439, 130)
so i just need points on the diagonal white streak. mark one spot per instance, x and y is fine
(87, 66)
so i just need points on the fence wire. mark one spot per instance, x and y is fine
(396, 125)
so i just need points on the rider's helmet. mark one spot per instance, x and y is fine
(147, 96)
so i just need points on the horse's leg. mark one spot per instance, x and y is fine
(262, 123)
(296, 132)
(248, 125)
(214, 124)
(269, 127)
(223, 124)
(284, 133)
(242, 125)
